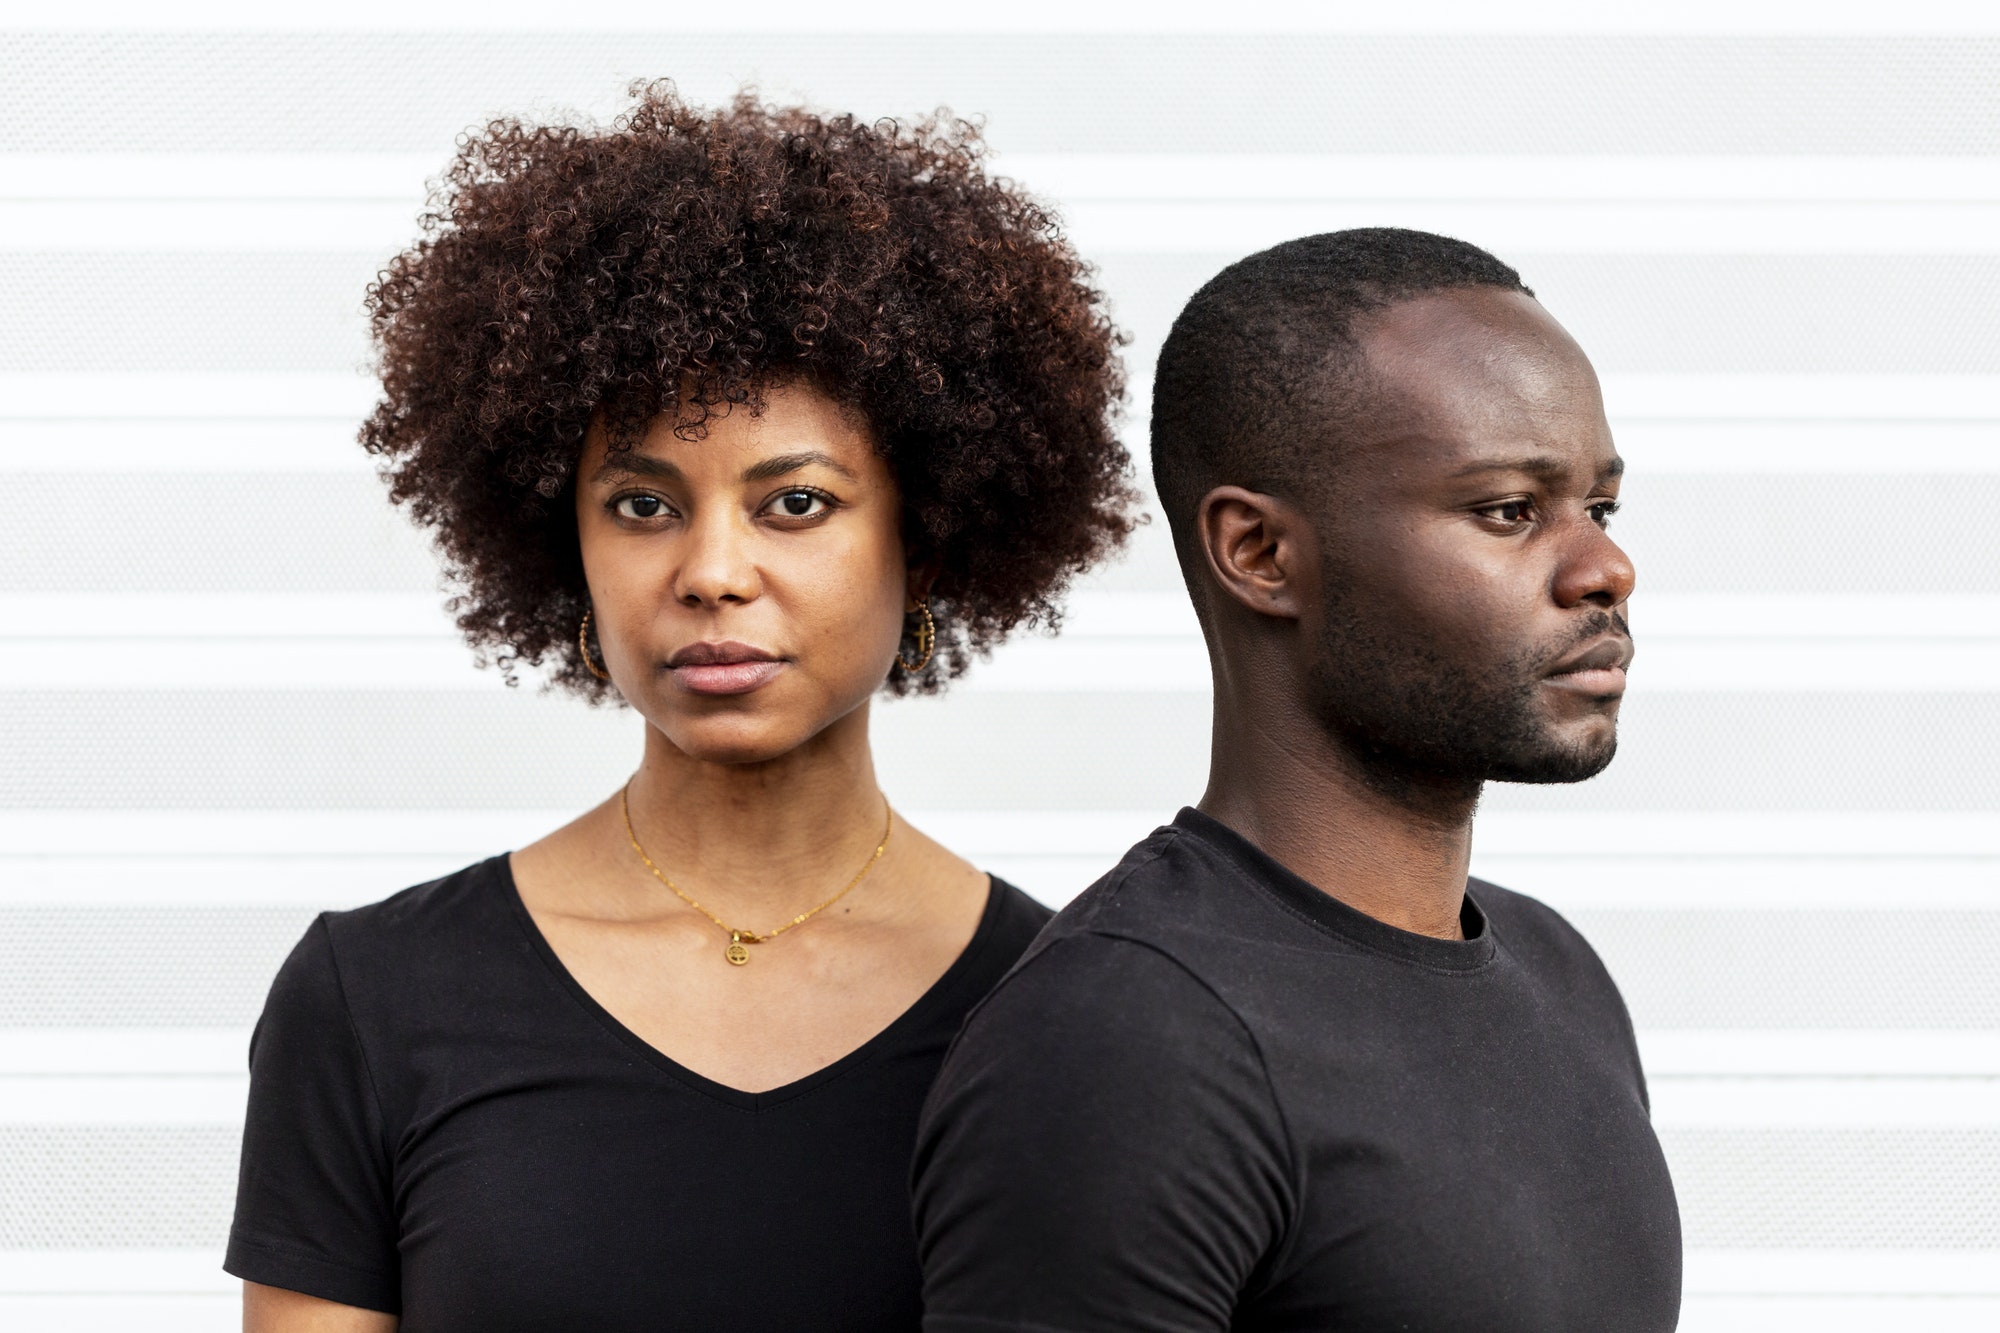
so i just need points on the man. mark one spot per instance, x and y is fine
(1285, 1067)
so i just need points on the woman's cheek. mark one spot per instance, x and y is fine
(857, 589)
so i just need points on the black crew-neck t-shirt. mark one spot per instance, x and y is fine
(444, 1125)
(1212, 1097)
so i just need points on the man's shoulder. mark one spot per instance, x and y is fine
(1138, 928)
(1539, 937)
(1163, 893)
(1523, 917)
(1121, 893)
(1112, 993)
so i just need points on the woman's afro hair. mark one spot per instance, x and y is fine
(681, 259)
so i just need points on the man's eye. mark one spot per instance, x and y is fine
(1512, 511)
(798, 504)
(639, 506)
(1601, 512)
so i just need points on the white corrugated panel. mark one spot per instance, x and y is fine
(1776, 228)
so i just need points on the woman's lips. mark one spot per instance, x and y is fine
(725, 677)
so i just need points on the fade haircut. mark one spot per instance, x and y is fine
(1262, 370)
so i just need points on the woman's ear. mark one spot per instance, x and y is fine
(1259, 550)
(924, 568)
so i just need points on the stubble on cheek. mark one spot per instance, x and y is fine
(1415, 711)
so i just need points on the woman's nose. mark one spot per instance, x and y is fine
(717, 567)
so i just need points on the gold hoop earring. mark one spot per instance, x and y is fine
(583, 646)
(926, 641)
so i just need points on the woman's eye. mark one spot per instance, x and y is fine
(640, 506)
(798, 504)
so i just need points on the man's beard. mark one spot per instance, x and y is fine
(1419, 721)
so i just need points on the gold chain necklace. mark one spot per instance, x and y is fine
(736, 953)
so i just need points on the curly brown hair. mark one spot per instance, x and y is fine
(681, 259)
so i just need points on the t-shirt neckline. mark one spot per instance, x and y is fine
(939, 990)
(1334, 916)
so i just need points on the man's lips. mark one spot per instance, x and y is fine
(723, 668)
(1596, 668)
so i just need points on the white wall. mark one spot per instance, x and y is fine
(228, 699)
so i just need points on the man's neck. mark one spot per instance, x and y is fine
(1397, 851)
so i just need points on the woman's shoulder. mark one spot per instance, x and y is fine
(1013, 919)
(470, 898)
(421, 937)
(1019, 912)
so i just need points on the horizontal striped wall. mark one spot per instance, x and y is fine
(229, 697)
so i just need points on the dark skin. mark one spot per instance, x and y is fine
(1449, 610)
(780, 533)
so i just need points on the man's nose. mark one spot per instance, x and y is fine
(1595, 570)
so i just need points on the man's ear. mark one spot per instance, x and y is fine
(1260, 550)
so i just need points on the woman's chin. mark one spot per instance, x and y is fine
(738, 738)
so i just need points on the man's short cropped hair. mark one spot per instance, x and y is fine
(1261, 370)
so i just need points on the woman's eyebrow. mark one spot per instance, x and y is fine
(631, 463)
(785, 464)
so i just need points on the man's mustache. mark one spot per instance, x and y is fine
(1594, 626)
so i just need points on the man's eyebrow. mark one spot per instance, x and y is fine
(1548, 467)
(631, 463)
(786, 464)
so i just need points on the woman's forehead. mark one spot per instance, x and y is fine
(786, 429)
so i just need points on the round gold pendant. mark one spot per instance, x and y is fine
(736, 953)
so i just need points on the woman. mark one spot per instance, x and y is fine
(739, 418)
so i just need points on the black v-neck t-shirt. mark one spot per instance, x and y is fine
(444, 1125)
(1213, 1098)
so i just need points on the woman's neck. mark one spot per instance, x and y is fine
(768, 840)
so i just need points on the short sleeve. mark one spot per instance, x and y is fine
(313, 1204)
(1101, 1152)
